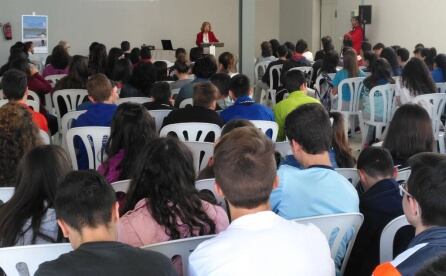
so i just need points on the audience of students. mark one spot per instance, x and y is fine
(78, 73)
(297, 59)
(87, 214)
(161, 95)
(423, 204)
(245, 174)
(29, 217)
(60, 60)
(244, 106)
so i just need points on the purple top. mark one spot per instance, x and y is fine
(50, 70)
(110, 169)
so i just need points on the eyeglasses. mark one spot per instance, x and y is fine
(403, 190)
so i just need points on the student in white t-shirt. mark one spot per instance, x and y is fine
(257, 242)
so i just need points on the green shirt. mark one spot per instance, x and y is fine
(283, 108)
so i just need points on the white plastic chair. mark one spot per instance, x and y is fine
(284, 148)
(209, 184)
(33, 96)
(441, 87)
(202, 153)
(71, 97)
(159, 116)
(267, 126)
(66, 123)
(186, 102)
(387, 93)
(93, 138)
(45, 137)
(403, 175)
(53, 79)
(275, 70)
(351, 174)
(259, 69)
(121, 186)
(25, 260)
(140, 100)
(388, 236)
(307, 70)
(349, 108)
(191, 131)
(33, 104)
(342, 223)
(6, 193)
(438, 102)
(181, 247)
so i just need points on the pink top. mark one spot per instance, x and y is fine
(138, 227)
(50, 70)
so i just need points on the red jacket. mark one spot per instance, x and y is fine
(38, 118)
(357, 35)
(211, 35)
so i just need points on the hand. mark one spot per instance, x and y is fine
(33, 69)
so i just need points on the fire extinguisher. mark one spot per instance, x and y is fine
(7, 31)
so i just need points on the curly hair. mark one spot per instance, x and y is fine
(164, 176)
(18, 135)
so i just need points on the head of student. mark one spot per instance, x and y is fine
(409, 132)
(274, 46)
(301, 46)
(125, 46)
(204, 67)
(36, 184)
(60, 57)
(245, 168)
(266, 49)
(165, 178)
(381, 71)
(222, 82)
(417, 78)
(135, 55)
(282, 51)
(365, 47)
(100, 89)
(161, 70)
(15, 85)
(343, 152)
(327, 43)
(423, 202)
(390, 55)
(375, 164)
(226, 62)
(308, 128)
(440, 62)
(122, 71)
(161, 92)
(146, 53)
(403, 56)
(239, 86)
(86, 208)
(294, 80)
(377, 48)
(143, 77)
(205, 95)
(330, 62)
(78, 69)
(350, 61)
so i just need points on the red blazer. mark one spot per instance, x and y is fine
(357, 35)
(211, 35)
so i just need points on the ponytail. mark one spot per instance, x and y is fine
(344, 157)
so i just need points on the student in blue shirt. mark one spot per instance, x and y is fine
(439, 72)
(244, 106)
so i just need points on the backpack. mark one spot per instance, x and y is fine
(324, 92)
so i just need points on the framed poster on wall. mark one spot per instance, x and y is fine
(35, 29)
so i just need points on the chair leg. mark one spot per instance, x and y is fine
(441, 143)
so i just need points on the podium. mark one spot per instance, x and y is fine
(209, 48)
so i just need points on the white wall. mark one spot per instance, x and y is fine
(81, 22)
(402, 22)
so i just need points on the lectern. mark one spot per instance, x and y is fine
(209, 48)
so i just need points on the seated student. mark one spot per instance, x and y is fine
(244, 106)
(29, 217)
(162, 202)
(77, 75)
(125, 47)
(161, 95)
(327, 66)
(257, 242)
(15, 89)
(409, 132)
(161, 71)
(327, 45)
(403, 56)
(424, 208)
(19, 135)
(222, 82)
(140, 83)
(428, 56)
(87, 214)
(378, 48)
(296, 85)
(122, 71)
(203, 69)
(298, 59)
(369, 60)
(145, 56)
(282, 52)
(132, 127)
(181, 69)
(267, 53)
(203, 109)
(436, 267)
(317, 189)
(113, 56)
(60, 60)
(380, 203)
(439, 72)
(226, 64)
(135, 56)
(389, 54)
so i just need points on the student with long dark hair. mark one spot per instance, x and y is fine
(113, 56)
(135, 55)
(29, 216)
(132, 127)
(162, 202)
(369, 61)
(226, 64)
(416, 80)
(339, 143)
(77, 74)
(122, 71)
(428, 55)
(266, 52)
(140, 83)
(98, 59)
(60, 60)
(439, 72)
(161, 71)
(327, 45)
(409, 132)
(390, 55)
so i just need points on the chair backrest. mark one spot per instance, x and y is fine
(351, 174)
(139, 100)
(33, 96)
(31, 103)
(121, 186)
(275, 70)
(339, 224)
(6, 193)
(45, 137)
(209, 185)
(387, 92)
(93, 139)
(403, 175)
(307, 70)
(354, 86)
(270, 128)
(67, 121)
(53, 79)
(25, 260)
(186, 102)
(71, 97)
(388, 236)
(191, 131)
(159, 116)
(284, 148)
(202, 153)
(260, 69)
(437, 101)
(181, 247)
(441, 87)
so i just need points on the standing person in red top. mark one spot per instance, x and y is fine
(206, 35)
(15, 89)
(356, 34)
